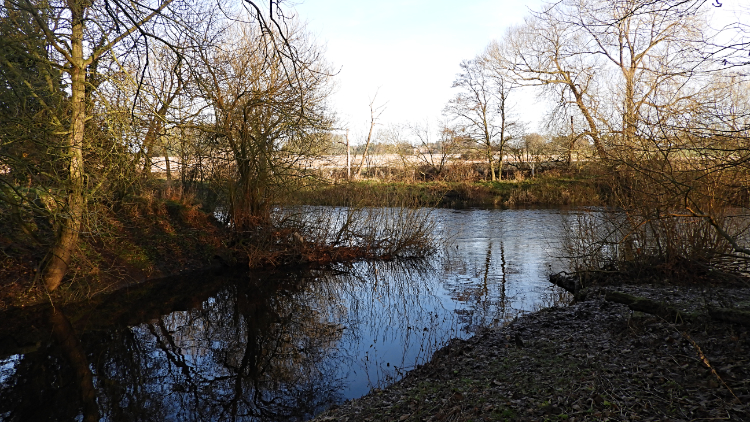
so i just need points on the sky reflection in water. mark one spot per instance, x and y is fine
(286, 346)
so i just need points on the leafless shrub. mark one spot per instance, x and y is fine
(387, 232)
(652, 244)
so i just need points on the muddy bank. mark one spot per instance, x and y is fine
(595, 360)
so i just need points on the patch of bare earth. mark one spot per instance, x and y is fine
(594, 360)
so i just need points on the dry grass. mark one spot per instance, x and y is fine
(547, 190)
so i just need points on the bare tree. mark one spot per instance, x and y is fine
(480, 108)
(79, 46)
(166, 81)
(546, 52)
(435, 147)
(632, 51)
(375, 113)
(661, 111)
(265, 122)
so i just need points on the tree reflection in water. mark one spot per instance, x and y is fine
(286, 346)
(500, 265)
(258, 349)
(396, 317)
(52, 383)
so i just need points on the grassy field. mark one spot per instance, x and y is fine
(553, 190)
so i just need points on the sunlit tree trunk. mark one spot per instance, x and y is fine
(488, 149)
(70, 223)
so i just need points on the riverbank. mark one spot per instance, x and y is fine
(147, 239)
(153, 237)
(157, 234)
(594, 360)
(545, 190)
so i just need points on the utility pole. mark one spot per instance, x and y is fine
(348, 158)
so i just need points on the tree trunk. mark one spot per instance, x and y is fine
(503, 125)
(642, 304)
(348, 158)
(70, 221)
(364, 153)
(594, 132)
(154, 128)
(571, 144)
(491, 162)
(169, 170)
(736, 316)
(629, 117)
(374, 114)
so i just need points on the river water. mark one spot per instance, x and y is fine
(268, 346)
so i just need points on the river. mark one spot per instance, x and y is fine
(285, 345)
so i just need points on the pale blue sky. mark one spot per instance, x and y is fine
(408, 49)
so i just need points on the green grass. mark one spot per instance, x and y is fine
(541, 191)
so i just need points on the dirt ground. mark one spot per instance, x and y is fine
(593, 360)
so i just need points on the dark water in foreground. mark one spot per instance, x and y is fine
(285, 346)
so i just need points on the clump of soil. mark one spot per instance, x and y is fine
(594, 360)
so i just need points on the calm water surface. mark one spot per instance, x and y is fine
(285, 346)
